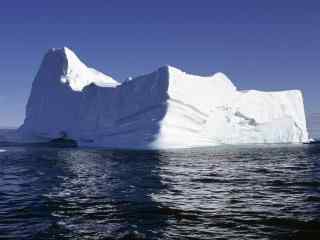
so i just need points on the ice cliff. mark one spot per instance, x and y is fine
(167, 108)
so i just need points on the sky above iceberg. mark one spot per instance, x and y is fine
(265, 45)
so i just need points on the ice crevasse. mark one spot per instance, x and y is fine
(167, 108)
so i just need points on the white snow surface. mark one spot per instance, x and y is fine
(78, 75)
(167, 108)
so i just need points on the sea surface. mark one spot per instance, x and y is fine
(244, 192)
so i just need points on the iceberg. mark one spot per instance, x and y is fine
(167, 108)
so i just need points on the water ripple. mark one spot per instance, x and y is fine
(265, 192)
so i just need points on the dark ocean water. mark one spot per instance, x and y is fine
(264, 192)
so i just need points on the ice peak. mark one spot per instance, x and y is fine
(66, 54)
(74, 72)
(173, 68)
(71, 56)
(59, 51)
(221, 77)
(66, 49)
(170, 70)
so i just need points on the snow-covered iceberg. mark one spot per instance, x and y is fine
(167, 108)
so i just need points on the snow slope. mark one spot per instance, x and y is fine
(164, 109)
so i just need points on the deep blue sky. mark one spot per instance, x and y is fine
(266, 45)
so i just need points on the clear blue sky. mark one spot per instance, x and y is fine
(266, 45)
